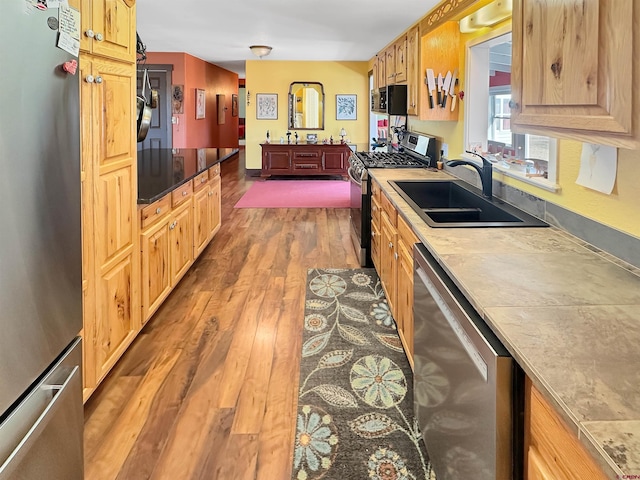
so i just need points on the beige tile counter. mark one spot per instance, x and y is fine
(569, 316)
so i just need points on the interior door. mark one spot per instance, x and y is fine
(160, 134)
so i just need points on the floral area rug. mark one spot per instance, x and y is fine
(355, 407)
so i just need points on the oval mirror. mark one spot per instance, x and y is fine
(306, 106)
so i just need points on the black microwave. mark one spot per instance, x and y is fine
(395, 99)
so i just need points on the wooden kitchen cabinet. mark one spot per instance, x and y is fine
(552, 450)
(388, 251)
(400, 60)
(375, 224)
(577, 78)
(305, 159)
(390, 64)
(111, 316)
(206, 208)
(374, 74)
(155, 247)
(108, 28)
(404, 294)
(414, 74)
(382, 70)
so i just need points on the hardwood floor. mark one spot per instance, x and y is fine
(208, 390)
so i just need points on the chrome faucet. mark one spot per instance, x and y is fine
(486, 172)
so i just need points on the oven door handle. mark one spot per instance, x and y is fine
(353, 178)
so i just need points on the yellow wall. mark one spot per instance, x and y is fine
(270, 76)
(620, 210)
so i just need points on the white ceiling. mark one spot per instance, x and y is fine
(221, 31)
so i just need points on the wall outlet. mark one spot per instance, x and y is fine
(445, 150)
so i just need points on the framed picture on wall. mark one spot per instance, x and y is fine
(200, 103)
(267, 106)
(346, 107)
(234, 105)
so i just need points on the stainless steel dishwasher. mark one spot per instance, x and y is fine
(466, 386)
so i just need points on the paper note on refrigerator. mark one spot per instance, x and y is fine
(598, 167)
(69, 20)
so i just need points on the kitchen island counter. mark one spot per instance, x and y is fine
(569, 315)
(162, 170)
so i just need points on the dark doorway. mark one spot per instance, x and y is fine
(160, 133)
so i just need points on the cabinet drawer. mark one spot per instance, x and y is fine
(214, 171)
(308, 165)
(200, 181)
(388, 208)
(405, 233)
(181, 194)
(155, 211)
(306, 155)
(375, 191)
(375, 211)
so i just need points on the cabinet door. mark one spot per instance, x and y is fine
(181, 241)
(155, 275)
(108, 28)
(404, 298)
(215, 206)
(400, 74)
(576, 79)
(116, 324)
(390, 64)
(414, 74)
(382, 71)
(200, 221)
(334, 161)
(388, 262)
(374, 73)
(276, 161)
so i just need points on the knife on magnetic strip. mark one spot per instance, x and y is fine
(431, 85)
(445, 89)
(452, 89)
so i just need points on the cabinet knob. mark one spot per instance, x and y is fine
(513, 105)
(158, 210)
(98, 79)
(202, 180)
(373, 234)
(90, 33)
(89, 79)
(184, 193)
(210, 193)
(390, 244)
(99, 37)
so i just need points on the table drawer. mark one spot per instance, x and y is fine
(181, 194)
(308, 165)
(200, 181)
(307, 155)
(406, 233)
(155, 211)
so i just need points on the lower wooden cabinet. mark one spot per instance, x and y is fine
(174, 231)
(404, 295)
(552, 450)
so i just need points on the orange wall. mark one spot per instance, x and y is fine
(194, 73)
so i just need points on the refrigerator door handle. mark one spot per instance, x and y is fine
(33, 415)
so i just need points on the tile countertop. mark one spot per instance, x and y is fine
(569, 316)
(162, 170)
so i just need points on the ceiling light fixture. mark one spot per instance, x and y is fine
(487, 16)
(260, 50)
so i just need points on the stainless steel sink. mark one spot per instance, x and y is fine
(453, 204)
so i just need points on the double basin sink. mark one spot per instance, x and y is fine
(452, 204)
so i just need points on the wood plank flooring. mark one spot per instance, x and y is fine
(208, 390)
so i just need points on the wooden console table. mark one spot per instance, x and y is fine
(305, 159)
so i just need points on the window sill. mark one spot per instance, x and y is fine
(521, 176)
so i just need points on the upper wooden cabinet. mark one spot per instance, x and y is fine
(573, 70)
(413, 71)
(390, 64)
(374, 74)
(382, 70)
(108, 28)
(400, 60)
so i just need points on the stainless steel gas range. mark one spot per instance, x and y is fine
(416, 151)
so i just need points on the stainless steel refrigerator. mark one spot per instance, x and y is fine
(41, 414)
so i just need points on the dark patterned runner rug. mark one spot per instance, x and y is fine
(355, 406)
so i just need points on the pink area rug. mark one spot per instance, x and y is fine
(296, 194)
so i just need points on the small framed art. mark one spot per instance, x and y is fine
(346, 107)
(200, 103)
(267, 106)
